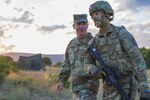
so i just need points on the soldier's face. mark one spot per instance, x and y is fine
(81, 29)
(98, 18)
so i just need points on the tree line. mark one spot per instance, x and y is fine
(146, 54)
(7, 64)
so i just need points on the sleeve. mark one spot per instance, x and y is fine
(88, 63)
(130, 47)
(66, 68)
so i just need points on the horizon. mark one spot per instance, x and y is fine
(29, 53)
(45, 26)
(16, 55)
(47, 53)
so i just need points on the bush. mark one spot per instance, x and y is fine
(146, 54)
(6, 66)
(58, 64)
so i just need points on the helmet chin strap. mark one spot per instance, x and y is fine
(110, 18)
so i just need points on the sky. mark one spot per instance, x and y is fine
(45, 26)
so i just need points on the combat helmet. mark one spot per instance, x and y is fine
(102, 5)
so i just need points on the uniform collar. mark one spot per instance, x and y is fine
(78, 41)
(111, 29)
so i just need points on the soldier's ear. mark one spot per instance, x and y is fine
(88, 24)
(73, 26)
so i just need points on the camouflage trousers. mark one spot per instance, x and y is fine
(110, 93)
(86, 95)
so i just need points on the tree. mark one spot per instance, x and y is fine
(146, 54)
(9, 58)
(46, 61)
(6, 66)
(58, 64)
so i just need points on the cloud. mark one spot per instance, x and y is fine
(141, 28)
(6, 48)
(3, 29)
(2, 18)
(50, 29)
(18, 9)
(1, 33)
(3, 47)
(143, 40)
(132, 5)
(140, 3)
(141, 32)
(26, 17)
(7, 1)
(70, 32)
(7, 27)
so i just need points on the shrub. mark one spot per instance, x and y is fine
(6, 66)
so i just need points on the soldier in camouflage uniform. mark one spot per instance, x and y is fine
(84, 86)
(117, 48)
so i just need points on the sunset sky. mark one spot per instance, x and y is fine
(45, 26)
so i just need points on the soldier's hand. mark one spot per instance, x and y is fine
(145, 95)
(96, 72)
(59, 86)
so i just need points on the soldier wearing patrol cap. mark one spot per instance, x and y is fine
(84, 86)
(80, 18)
(118, 49)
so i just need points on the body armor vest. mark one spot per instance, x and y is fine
(111, 51)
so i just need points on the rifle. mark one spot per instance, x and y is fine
(111, 77)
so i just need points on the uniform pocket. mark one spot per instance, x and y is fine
(124, 66)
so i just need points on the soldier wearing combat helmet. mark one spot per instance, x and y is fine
(118, 49)
(104, 6)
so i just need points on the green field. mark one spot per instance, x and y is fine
(35, 85)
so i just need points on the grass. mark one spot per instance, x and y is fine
(35, 85)
(32, 85)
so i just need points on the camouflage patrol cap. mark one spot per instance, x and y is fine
(101, 5)
(80, 18)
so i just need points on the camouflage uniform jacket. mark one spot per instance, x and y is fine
(118, 48)
(74, 63)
